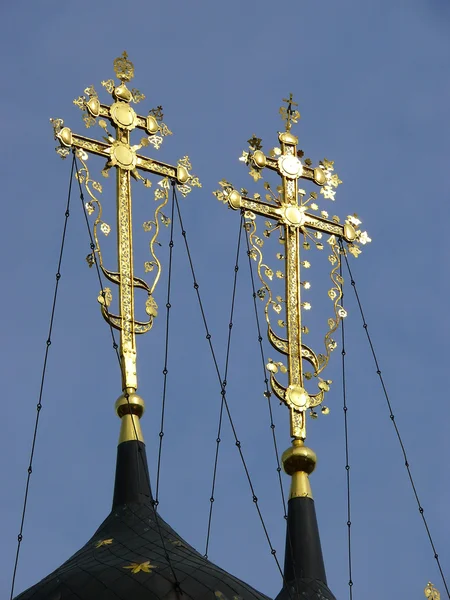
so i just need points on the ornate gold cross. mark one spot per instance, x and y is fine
(119, 153)
(287, 212)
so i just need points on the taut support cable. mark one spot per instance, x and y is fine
(224, 384)
(397, 431)
(267, 392)
(166, 350)
(223, 392)
(48, 343)
(347, 453)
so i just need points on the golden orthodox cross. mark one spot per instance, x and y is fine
(120, 154)
(288, 211)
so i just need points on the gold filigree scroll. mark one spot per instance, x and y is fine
(94, 207)
(301, 225)
(119, 153)
(162, 195)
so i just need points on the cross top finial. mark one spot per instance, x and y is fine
(123, 68)
(431, 593)
(288, 114)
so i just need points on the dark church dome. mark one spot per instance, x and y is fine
(135, 554)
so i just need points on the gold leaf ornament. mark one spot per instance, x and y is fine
(80, 102)
(105, 297)
(81, 154)
(328, 192)
(62, 151)
(354, 250)
(324, 385)
(220, 196)
(272, 367)
(255, 142)
(255, 174)
(101, 543)
(146, 567)
(364, 238)
(137, 95)
(151, 308)
(109, 85)
(353, 220)
(88, 121)
(327, 164)
(105, 228)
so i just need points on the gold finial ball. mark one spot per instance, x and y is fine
(299, 458)
(130, 404)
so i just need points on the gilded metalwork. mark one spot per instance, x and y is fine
(146, 567)
(431, 592)
(297, 219)
(289, 114)
(124, 157)
(102, 543)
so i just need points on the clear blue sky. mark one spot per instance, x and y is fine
(372, 83)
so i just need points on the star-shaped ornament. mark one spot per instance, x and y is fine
(104, 543)
(146, 567)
